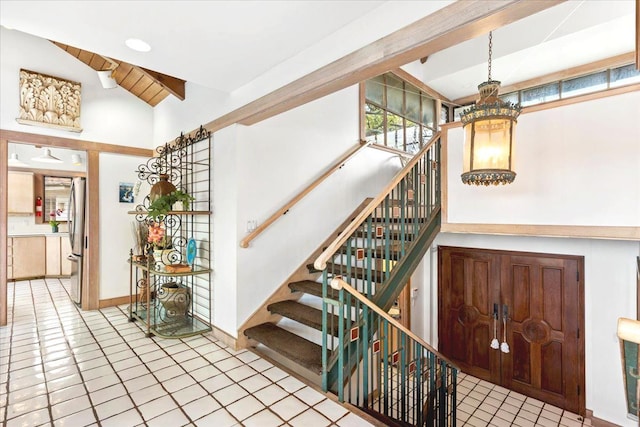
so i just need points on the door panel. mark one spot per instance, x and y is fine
(549, 325)
(543, 298)
(468, 287)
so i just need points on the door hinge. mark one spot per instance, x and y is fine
(578, 387)
(577, 275)
(578, 333)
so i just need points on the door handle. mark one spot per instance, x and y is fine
(494, 342)
(504, 347)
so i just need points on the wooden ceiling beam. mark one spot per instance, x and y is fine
(451, 25)
(132, 78)
(173, 85)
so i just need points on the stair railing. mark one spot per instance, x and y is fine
(410, 197)
(404, 216)
(244, 243)
(397, 375)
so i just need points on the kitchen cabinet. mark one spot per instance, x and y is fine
(28, 257)
(20, 193)
(58, 248)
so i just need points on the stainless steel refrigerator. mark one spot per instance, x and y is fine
(76, 235)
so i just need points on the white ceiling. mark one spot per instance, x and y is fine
(573, 33)
(226, 44)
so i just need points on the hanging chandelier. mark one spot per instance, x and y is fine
(489, 129)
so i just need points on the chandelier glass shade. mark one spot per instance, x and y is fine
(489, 135)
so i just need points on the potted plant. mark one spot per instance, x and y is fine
(160, 242)
(162, 205)
(53, 222)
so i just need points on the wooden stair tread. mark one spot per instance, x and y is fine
(289, 345)
(304, 314)
(307, 286)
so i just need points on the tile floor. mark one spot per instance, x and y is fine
(63, 367)
(481, 403)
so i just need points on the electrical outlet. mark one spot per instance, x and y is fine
(252, 224)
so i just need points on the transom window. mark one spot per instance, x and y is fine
(562, 89)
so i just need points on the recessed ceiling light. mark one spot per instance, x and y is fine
(138, 45)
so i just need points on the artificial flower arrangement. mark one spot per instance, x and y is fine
(53, 222)
(158, 237)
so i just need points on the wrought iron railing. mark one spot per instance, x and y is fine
(396, 374)
(375, 256)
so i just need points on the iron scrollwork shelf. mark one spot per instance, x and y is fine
(176, 304)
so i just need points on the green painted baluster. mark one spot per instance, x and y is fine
(454, 394)
(387, 240)
(403, 377)
(385, 378)
(325, 331)
(341, 345)
(419, 392)
(442, 408)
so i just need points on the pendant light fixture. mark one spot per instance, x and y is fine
(46, 157)
(489, 130)
(15, 162)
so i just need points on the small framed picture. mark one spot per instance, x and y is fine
(126, 192)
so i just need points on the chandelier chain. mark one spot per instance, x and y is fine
(490, 51)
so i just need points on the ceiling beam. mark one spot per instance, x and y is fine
(173, 85)
(123, 70)
(451, 25)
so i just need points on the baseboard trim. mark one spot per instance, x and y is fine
(112, 302)
(597, 422)
(229, 340)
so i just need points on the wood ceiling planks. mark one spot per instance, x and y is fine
(149, 86)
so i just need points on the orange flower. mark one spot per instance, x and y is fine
(156, 233)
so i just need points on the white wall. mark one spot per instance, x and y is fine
(278, 158)
(610, 293)
(203, 105)
(576, 165)
(225, 241)
(200, 106)
(111, 116)
(116, 237)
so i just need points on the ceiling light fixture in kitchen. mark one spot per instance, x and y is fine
(15, 162)
(46, 157)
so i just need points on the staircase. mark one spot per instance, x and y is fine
(365, 357)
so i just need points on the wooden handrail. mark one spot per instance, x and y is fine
(321, 262)
(337, 283)
(244, 243)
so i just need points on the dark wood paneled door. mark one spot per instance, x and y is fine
(468, 286)
(538, 297)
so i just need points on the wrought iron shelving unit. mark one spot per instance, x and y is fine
(170, 303)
